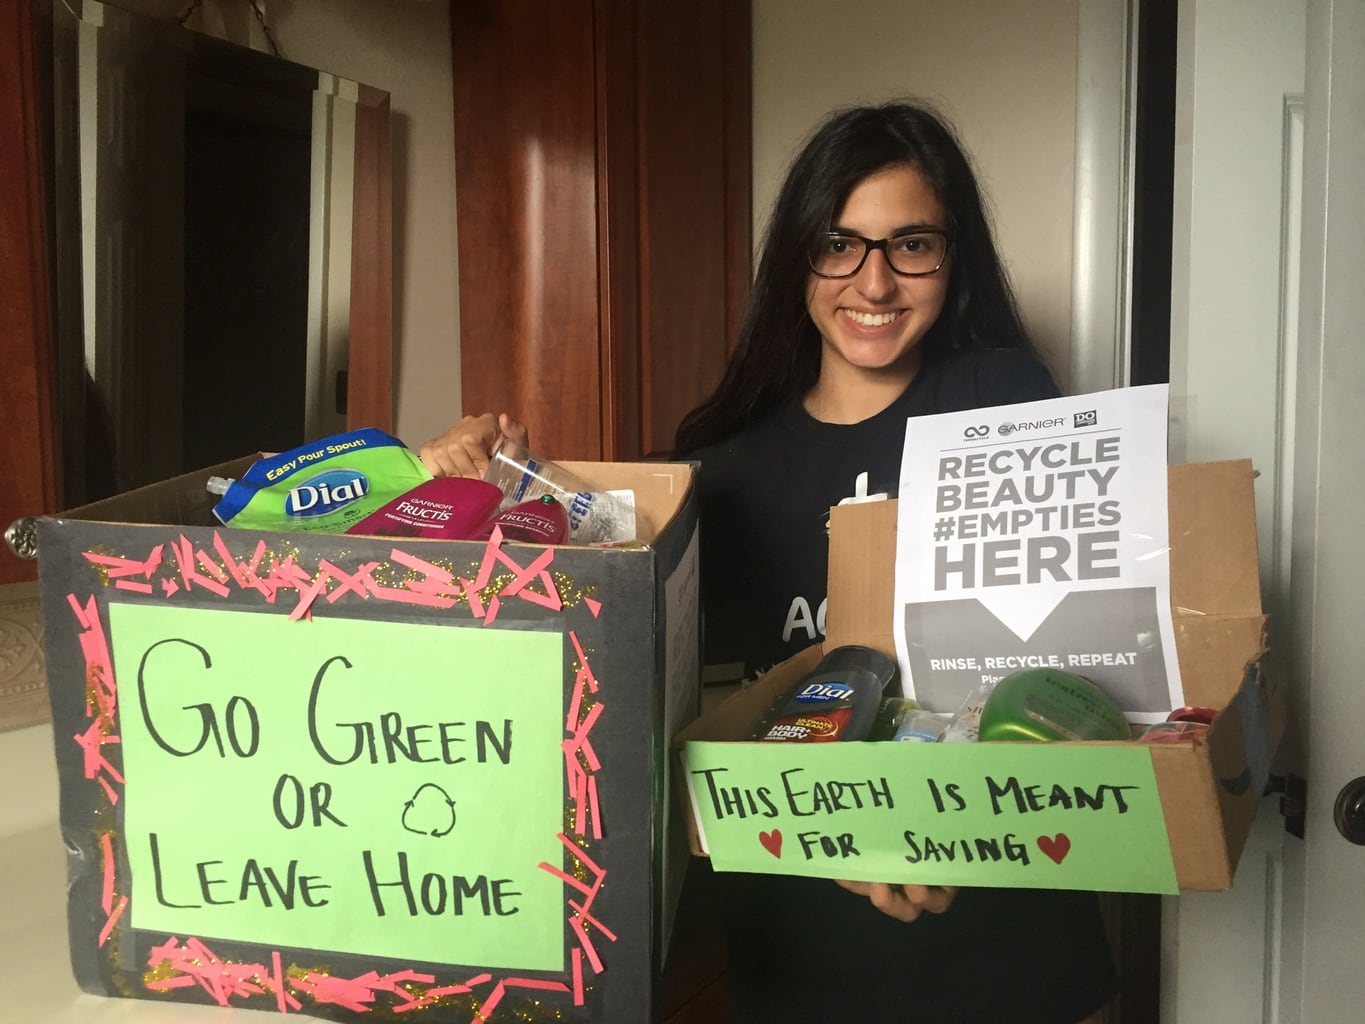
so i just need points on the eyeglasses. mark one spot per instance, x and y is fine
(913, 254)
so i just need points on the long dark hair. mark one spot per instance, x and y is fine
(778, 354)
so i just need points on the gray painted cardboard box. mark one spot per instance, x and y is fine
(354, 777)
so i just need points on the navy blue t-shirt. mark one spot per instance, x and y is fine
(804, 949)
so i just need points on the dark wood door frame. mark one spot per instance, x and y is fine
(602, 154)
(28, 429)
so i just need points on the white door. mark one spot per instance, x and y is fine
(1268, 360)
(1324, 900)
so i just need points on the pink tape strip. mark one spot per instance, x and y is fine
(211, 567)
(349, 583)
(352, 994)
(551, 601)
(119, 567)
(586, 671)
(582, 911)
(245, 573)
(589, 950)
(307, 595)
(402, 596)
(277, 980)
(107, 867)
(581, 855)
(592, 804)
(471, 594)
(580, 799)
(589, 754)
(484, 1012)
(576, 704)
(189, 575)
(113, 919)
(166, 951)
(83, 615)
(542, 984)
(568, 880)
(580, 735)
(92, 743)
(535, 570)
(492, 554)
(434, 574)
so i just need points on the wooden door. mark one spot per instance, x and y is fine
(28, 437)
(28, 466)
(602, 195)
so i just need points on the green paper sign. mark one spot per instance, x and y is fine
(375, 788)
(992, 814)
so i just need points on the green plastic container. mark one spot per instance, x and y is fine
(1047, 704)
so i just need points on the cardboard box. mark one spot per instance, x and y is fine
(343, 776)
(1105, 816)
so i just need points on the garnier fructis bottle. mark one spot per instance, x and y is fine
(538, 521)
(595, 516)
(446, 508)
(838, 700)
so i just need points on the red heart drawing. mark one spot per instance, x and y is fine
(1056, 848)
(772, 842)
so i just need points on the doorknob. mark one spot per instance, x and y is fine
(1349, 812)
(22, 537)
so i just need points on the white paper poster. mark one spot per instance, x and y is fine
(1035, 535)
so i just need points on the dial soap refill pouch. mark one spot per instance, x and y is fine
(327, 486)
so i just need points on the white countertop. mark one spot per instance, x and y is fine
(35, 966)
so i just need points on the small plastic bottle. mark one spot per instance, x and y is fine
(445, 508)
(538, 521)
(838, 700)
(595, 517)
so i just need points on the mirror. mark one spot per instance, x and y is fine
(222, 250)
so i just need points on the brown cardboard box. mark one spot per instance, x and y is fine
(1208, 792)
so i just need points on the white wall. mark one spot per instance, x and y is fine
(1003, 71)
(402, 47)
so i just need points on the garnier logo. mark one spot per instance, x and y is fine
(326, 492)
(817, 692)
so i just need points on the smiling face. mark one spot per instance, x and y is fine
(871, 324)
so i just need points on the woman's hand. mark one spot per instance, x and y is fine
(905, 902)
(463, 450)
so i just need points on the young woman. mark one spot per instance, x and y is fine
(879, 295)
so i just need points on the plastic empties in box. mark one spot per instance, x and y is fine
(326, 486)
(1049, 704)
(595, 516)
(838, 700)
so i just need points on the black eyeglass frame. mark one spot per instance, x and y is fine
(869, 244)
